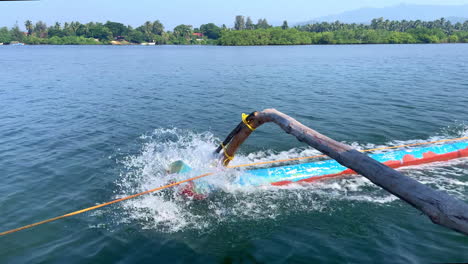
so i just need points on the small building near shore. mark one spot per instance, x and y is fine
(199, 36)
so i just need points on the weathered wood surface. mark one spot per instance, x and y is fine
(440, 207)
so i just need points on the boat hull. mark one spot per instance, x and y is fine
(313, 171)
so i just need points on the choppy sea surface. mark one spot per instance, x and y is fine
(82, 125)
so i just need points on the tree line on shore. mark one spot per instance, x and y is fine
(244, 33)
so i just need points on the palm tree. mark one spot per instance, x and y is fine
(40, 29)
(157, 28)
(184, 31)
(74, 26)
(29, 27)
(148, 26)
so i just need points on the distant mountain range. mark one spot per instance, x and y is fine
(454, 13)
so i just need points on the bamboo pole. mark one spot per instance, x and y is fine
(440, 207)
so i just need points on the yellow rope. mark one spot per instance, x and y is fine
(225, 152)
(244, 120)
(198, 177)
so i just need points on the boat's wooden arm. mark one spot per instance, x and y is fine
(440, 207)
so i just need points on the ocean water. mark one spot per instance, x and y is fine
(82, 125)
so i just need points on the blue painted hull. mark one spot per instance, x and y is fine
(330, 168)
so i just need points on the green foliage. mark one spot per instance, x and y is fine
(453, 39)
(160, 40)
(16, 34)
(157, 28)
(55, 31)
(245, 38)
(99, 31)
(462, 36)
(136, 36)
(183, 31)
(211, 31)
(288, 37)
(279, 36)
(29, 26)
(33, 40)
(180, 41)
(55, 40)
(40, 29)
(401, 38)
(5, 36)
(327, 38)
(244, 33)
(152, 32)
(273, 36)
(427, 35)
(117, 29)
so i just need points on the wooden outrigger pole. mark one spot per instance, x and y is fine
(440, 207)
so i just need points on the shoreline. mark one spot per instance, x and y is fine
(214, 45)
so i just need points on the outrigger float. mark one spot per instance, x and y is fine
(407, 155)
(440, 207)
(309, 172)
(319, 170)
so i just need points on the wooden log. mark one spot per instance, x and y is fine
(440, 207)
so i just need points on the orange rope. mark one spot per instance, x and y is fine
(198, 177)
(104, 204)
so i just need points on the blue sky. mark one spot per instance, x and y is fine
(174, 12)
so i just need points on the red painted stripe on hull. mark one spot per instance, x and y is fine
(429, 157)
(312, 179)
(348, 171)
(464, 152)
(393, 163)
(281, 183)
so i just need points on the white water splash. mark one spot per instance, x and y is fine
(166, 211)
